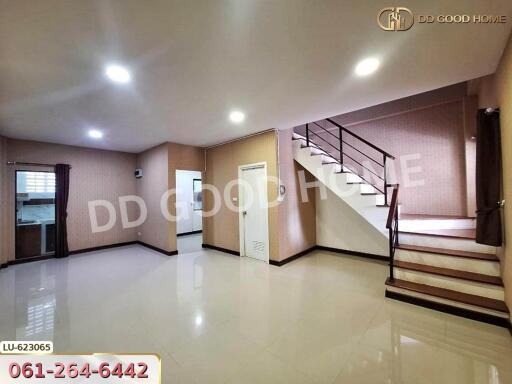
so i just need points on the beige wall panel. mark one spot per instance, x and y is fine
(151, 187)
(297, 219)
(222, 164)
(95, 175)
(503, 86)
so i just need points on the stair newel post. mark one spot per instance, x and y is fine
(307, 135)
(396, 227)
(391, 254)
(384, 158)
(341, 147)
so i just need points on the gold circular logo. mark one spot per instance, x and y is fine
(395, 19)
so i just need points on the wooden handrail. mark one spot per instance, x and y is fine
(361, 139)
(393, 207)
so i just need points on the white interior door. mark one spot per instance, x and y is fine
(254, 212)
(186, 216)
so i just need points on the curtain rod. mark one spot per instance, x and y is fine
(31, 164)
(491, 110)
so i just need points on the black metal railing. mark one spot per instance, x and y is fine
(392, 226)
(341, 147)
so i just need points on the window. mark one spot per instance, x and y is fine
(198, 195)
(40, 182)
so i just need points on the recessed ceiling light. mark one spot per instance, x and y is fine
(95, 134)
(367, 66)
(237, 116)
(118, 74)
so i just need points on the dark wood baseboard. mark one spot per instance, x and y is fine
(329, 249)
(167, 253)
(102, 247)
(354, 253)
(28, 260)
(456, 311)
(188, 233)
(86, 250)
(291, 258)
(231, 252)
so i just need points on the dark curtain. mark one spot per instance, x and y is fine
(62, 194)
(488, 178)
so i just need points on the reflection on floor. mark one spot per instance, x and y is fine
(190, 243)
(217, 318)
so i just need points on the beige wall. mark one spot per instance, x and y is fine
(339, 226)
(3, 203)
(222, 162)
(297, 222)
(159, 165)
(430, 125)
(470, 105)
(503, 86)
(95, 175)
(182, 157)
(154, 183)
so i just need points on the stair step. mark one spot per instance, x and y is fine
(476, 277)
(450, 252)
(448, 294)
(454, 233)
(421, 216)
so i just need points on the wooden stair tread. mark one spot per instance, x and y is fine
(449, 252)
(418, 216)
(455, 233)
(448, 294)
(471, 276)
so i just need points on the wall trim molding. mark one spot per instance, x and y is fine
(225, 250)
(188, 233)
(26, 260)
(102, 247)
(87, 250)
(280, 263)
(152, 247)
(456, 311)
(293, 257)
(371, 256)
(399, 113)
(240, 138)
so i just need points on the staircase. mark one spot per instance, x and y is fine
(363, 190)
(434, 260)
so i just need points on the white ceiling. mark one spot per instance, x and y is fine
(283, 62)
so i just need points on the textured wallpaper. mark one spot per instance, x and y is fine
(95, 175)
(425, 131)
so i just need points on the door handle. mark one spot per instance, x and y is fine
(244, 213)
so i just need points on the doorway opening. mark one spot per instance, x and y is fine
(35, 231)
(189, 211)
(253, 216)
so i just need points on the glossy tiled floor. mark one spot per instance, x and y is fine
(216, 318)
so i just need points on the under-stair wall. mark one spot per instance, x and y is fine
(339, 226)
